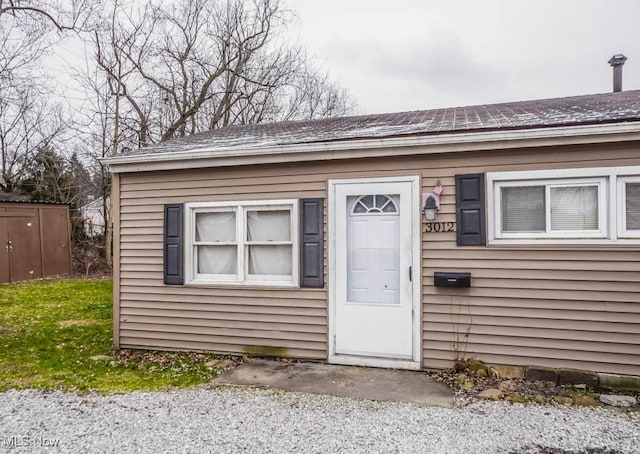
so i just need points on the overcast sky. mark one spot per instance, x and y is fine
(398, 55)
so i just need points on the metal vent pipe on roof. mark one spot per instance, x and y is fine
(617, 61)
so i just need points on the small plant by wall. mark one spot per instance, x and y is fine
(461, 322)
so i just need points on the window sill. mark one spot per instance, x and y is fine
(251, 285)
(565, 242)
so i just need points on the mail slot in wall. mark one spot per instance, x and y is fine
(441, 279)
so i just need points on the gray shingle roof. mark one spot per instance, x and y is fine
(20, 199)
(544, 113)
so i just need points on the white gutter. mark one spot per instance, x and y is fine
(375, 147)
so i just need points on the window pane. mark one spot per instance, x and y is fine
(359, 208)
(270, 260)
(367, 201)
(220, 226)
(380, 200)
(217, 259)
(385, 204)
(523, 209)
(574, 208)
(389, 208)
(632, 205)
(269, 225)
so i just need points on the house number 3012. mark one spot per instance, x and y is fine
(440, 227)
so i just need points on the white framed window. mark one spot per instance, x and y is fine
(245, 243)
(571, 208)
(593, 205)
(629, 206)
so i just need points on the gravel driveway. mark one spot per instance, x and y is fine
(249, 420)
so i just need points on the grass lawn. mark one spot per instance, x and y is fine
(49, 330)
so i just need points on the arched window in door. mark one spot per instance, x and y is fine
(374, 204)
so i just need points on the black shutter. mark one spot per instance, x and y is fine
(311, 243)
(173, 244)
(470, 214)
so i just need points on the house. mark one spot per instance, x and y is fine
(93, 217)
(311, 239)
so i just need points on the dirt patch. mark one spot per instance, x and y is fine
(82, 322)
(166, 360)
(8, 330)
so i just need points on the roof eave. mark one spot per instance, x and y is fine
(377, 147)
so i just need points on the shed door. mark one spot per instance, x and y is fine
(374, 303)
(56, 258)
(5, 276)
(24, 235)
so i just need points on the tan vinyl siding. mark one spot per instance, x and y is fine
(571, 306)
(288, 322)
(116, 221)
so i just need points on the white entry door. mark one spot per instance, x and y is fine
(373, 239)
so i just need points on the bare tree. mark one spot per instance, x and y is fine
(168, 68)
(28, 123)
(63, 15)
(185, 67)
(28, 120)
(316, 96)
(95, 122)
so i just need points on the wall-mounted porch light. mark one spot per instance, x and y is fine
(430, 208)
(432, 202)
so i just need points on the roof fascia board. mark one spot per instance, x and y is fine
(395, 146)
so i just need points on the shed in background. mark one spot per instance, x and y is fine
(35, 240)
